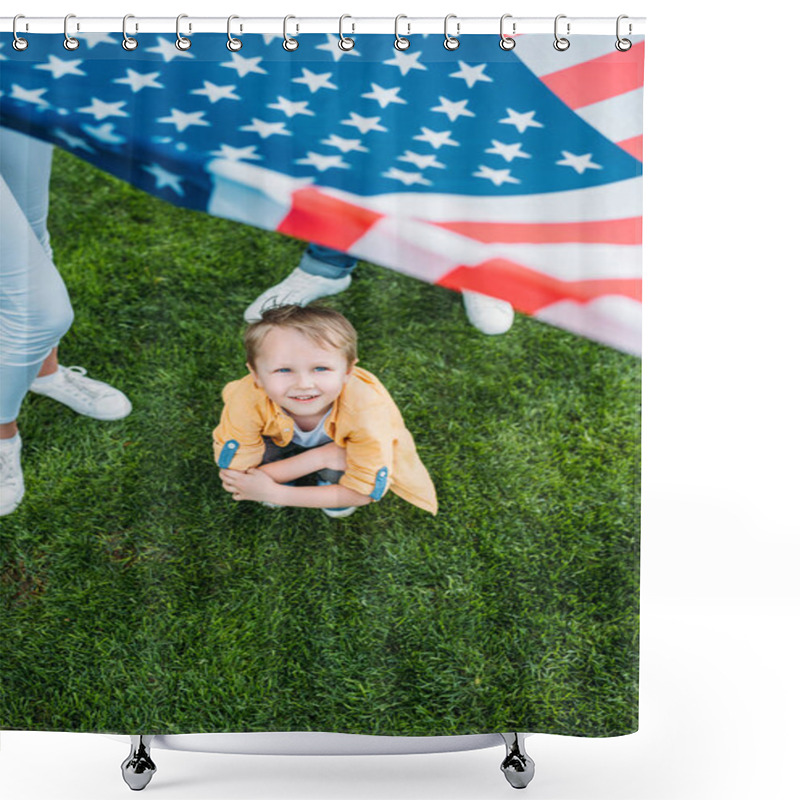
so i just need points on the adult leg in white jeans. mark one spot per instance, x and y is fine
(34, 310)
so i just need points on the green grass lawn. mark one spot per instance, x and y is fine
(137, 597)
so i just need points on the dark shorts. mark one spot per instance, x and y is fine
(274, 453)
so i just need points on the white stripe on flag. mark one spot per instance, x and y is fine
(619, 200)
(618, 118)
(612, 320)
(428, 252)
(414, 248)
(544, 60)
(254, 195)
(570, 262)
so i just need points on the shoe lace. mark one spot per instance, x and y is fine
(78, 384)
(7, 465)
(297, 282)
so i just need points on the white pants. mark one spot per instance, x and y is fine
(35, 311)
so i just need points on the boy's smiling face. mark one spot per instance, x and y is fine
(301, 376)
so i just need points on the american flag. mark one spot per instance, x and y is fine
(515, 174)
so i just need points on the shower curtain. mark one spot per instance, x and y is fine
(475, 568)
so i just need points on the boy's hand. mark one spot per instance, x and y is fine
(254, 484)
(334, 457)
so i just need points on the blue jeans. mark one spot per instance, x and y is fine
(35, 311)
(327, 263)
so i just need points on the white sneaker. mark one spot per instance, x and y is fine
(339, 513)
(12, 486)
(70, 386)
(488, 314)
(298, 288)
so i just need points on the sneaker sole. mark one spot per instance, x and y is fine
(328, 512)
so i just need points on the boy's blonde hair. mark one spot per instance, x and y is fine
(324, 326)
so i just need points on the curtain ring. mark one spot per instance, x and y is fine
(506, 42)
(561, 43)
(450, 42)
(345, 42)
(128, 43)
(70, 43)
(181, 42)
(623, 45)
(289, 44)
(233, 43)
(19, 44)
(400, 42)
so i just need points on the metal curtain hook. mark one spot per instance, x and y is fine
(181, 42)
(623, 45)
(289, 44)
(561, 43)
(400, 42)
(506, 42)
(450, 42)
(70, 43)
(128, 43)
(346, 43)
(233, 44)
(19, 43)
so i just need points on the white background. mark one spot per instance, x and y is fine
(720, 603)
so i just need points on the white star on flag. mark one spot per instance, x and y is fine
(322, 163)
(471, 74)
(168, 51)
(100, 109)
(93, 39)
(421, 161)
(496, 176)
(165, 178)
(345, 145)
(237, 153)
(436, 139)
(315, 81)
(75, 142)
(266, 129)
(28, 95)
(579, 163)
(364, 124)
(140, 80)
(59, 68)
(244, 66)
(182, 120)
(407, 178)
(454, 110)
(521, 121)
(332, 46)
(405, 62)
(291, 109)
(104, 133)
(508, 151)
(384, 96)
(215, 93)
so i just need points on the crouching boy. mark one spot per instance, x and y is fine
(306, 409)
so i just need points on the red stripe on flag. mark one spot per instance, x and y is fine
(531, 291)
(612, 231)
(634, 146)
(326, 220)
(598, 79)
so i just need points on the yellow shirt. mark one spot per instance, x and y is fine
(380, 451)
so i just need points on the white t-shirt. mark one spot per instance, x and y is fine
(315, 437)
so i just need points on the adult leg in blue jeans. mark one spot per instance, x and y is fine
(323, 272)
(35, 311)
